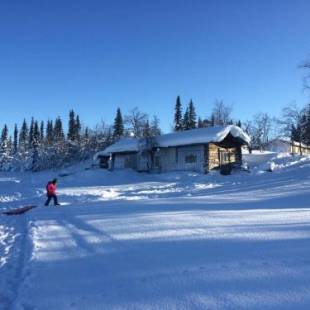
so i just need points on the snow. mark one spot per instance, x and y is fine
(125, 240)
(188, 137)
(123, 145)
(257, 158)
(201, 135)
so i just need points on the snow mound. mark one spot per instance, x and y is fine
(284, 161)
(277, 162)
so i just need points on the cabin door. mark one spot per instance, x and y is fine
(224, 157)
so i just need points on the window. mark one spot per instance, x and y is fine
(190, 159)
(224, 157)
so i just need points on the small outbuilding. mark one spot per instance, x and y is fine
(200, 150)
(286, 145)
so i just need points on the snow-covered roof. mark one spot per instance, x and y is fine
(188, 137)
(201, 135)
(123, 145)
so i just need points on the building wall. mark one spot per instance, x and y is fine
(144, 162)
(219, 155)
(190, 158)
(200, 158)
(186, 158)
(165, 159)
(286, 147)
(125, 161)
(296, 150)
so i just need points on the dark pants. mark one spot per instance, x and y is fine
(49, 198)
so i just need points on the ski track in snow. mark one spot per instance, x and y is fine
(173, 241)
(17, 256)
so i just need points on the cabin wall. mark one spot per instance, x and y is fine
(219, 156)
(185, 158)
(125, 161)
(165, 159)
(144, 162)
(190, 158)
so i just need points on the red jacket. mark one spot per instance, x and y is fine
(51, 189)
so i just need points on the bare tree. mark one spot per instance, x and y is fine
(291, 116)
(221, 114)
(155, 128)
(290, 123)
(136, 121)
(102, 135)
(258, 129)
(262, 123)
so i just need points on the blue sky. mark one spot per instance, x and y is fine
(94, 56)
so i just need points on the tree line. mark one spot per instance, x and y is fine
(39, 145)
(44, 145)
(220, 116)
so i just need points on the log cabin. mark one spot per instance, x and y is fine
(200, 150)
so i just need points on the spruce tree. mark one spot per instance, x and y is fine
(4, 139)
(191, 115)
(307, 125)
(86, 133)
(10, 146)
(186, 125)
(35, 134)
(118, 127)
(78, 127)
(200, 123)
(49, 133)
(58, 131)
(23, 137)
(294, 133)
(178, 122)
(35, 146)
(71, 126)
(42, 132)
(303, 126)
(15, 140)
(4, 146)
(31, 132)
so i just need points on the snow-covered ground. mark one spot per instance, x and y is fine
(125, 240)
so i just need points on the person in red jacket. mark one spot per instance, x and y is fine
(51, 192)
